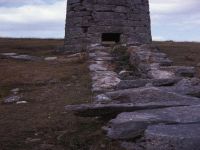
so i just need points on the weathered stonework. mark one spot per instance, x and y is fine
(123, 21)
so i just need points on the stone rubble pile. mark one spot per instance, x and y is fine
(159, 110)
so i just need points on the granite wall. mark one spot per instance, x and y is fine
(87, 20)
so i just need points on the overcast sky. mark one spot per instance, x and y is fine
(171, 19)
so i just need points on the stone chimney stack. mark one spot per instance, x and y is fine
(96, 21)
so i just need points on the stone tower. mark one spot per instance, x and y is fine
(96, 21)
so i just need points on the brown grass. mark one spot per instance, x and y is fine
(182, 53)
(48, 87)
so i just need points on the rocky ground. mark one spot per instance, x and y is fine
(36, 83)
(155, 101)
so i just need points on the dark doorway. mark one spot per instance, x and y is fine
(111, 37)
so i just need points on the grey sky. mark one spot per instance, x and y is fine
(171, 19)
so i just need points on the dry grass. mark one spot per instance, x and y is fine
(48, 87)
(182, 53)
(35, 47)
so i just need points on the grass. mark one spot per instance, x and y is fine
(48, 87)
(182, 53)
(37, 47)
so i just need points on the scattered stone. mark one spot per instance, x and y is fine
(25, 57)
(103, 58)
(21, 102)
(75, 55)
(15, 91)
(32, 140)
(50, 58)
(11, 99)
(8, 54)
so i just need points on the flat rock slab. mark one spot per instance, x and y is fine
(130, 125)
(150, 94)
(93, 110)
(103, 58)
(50, 58)
(176, 137)
(132, 100)
(25, 57)
(8, 54)
(127, 84)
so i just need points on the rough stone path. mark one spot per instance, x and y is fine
(101, 66)
(159, 110)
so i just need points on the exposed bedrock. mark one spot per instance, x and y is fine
(135, 123)
(159, 109)
(127, 84)
(132, 100)
(185, 86)
(148, 95)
